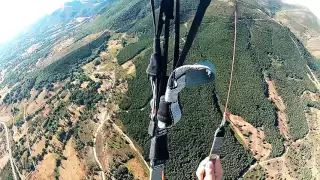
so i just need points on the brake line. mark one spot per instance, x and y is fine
(220, 131)
(233, 60)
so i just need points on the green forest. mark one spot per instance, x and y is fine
(259, 45)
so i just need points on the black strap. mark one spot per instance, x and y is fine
(177, 35)
(153, 16)
(193, 30)
(158, 150)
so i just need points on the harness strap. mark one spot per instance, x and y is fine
(177, 35)
(193, 30)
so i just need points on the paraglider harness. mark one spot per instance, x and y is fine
(165, 107)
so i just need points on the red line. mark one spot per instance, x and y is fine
(233, 60)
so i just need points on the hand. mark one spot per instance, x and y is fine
(210, 169)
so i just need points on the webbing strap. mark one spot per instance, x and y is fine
(154, 16)
(193, 30)
(177, 35)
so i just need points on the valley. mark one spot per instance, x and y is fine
(74, 97)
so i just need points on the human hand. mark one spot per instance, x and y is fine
(210, 169)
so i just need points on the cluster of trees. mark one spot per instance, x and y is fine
(131, 50)
(88, 96)
(102, 76)
(51, 122)
(20, 92)
(139, 92)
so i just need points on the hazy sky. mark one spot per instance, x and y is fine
(15, 15)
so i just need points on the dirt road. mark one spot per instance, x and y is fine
(131, 144)
(9, 149)
(95, 139)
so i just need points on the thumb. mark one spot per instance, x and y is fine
(209, 170)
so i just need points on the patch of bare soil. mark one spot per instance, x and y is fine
(18, 133)
(130, 68)
(4, 160)
(37, 147)
(45, 169)
(84, 85)
(72, 168)
(55, 142)
(75, 112)
(253, 138)
(47, 109)
(311, 96)
(282, 117)
(35, 104)
(31, 49)
(6, 118)
(134, 166)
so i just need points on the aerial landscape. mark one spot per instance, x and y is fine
(75, 96)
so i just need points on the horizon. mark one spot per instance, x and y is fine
(32, 10)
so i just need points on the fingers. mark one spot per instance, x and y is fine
(218, 169)
(209, 170)
(200, 172)
(201, 169)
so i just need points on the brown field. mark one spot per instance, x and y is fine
(130, 68)
(76, 112)
(45, 169)
(55, 142)
(72, 168)
(4, 160)
(37, 147)
(134, 166)
(253, 138)
(33, 105)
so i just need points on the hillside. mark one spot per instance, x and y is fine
(304, 25)
(75, 95)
